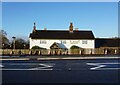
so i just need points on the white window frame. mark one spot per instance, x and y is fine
(63, 41)
(43, 42)
(84, 42)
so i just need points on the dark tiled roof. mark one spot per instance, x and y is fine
(59, 34)
(107, 42)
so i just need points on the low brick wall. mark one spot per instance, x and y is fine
(57, 51)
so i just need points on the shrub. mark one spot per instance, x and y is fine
(74, 47)
(37, 47)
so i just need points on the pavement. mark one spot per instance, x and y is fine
(59, 57)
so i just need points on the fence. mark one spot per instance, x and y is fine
(58, 51)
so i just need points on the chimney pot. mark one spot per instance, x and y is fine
(34, 27)
(45, 28)
(76, 29)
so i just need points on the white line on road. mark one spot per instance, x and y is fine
(103, 63)
(41, 66)
(1, 66)
(108, 69)
(25, 63)
(25, 69)
(2, 59)
(45, 66)
(99, 66)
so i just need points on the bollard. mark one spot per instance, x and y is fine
(80, 52)
(48, 51)
(19, 52)
(30, 52)
(11, 53)
(39, 52)
(115, 51)
(106, 51)
(91, 52)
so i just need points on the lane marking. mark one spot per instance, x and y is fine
(14, 59)
(1, 66)
(96, 65)
(26, 63)
(109, 69)
(104, 63)
(45, 66)
(102, 66)
(24, 69)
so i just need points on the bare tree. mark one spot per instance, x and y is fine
(4, 41)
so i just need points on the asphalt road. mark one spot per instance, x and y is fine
(61, 71)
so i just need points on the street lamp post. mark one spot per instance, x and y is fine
(24, 49)
(3, 48)
(24, 46)
(14, 42)
(10, 46)
(3, 45)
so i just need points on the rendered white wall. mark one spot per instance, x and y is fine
(69, 43)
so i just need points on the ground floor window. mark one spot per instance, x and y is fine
(84, 42)
(63, 41)
(43, 42)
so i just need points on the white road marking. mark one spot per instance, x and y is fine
(45, 66)
(1, 59)
(95, 64)
(104, 63)
(27, 63)
(98, 66)
(1, 66)
(109, 69)
(42, 66)
(25, 69)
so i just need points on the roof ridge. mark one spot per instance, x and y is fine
(63, 30)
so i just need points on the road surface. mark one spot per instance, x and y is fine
(61, 71)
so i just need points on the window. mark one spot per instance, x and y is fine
(63, 41)
(43, 42)
(84, 42)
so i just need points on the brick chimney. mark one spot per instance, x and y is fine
(45, 28)
(71, 27)
(34, 27)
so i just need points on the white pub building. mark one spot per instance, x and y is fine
(63, 39)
